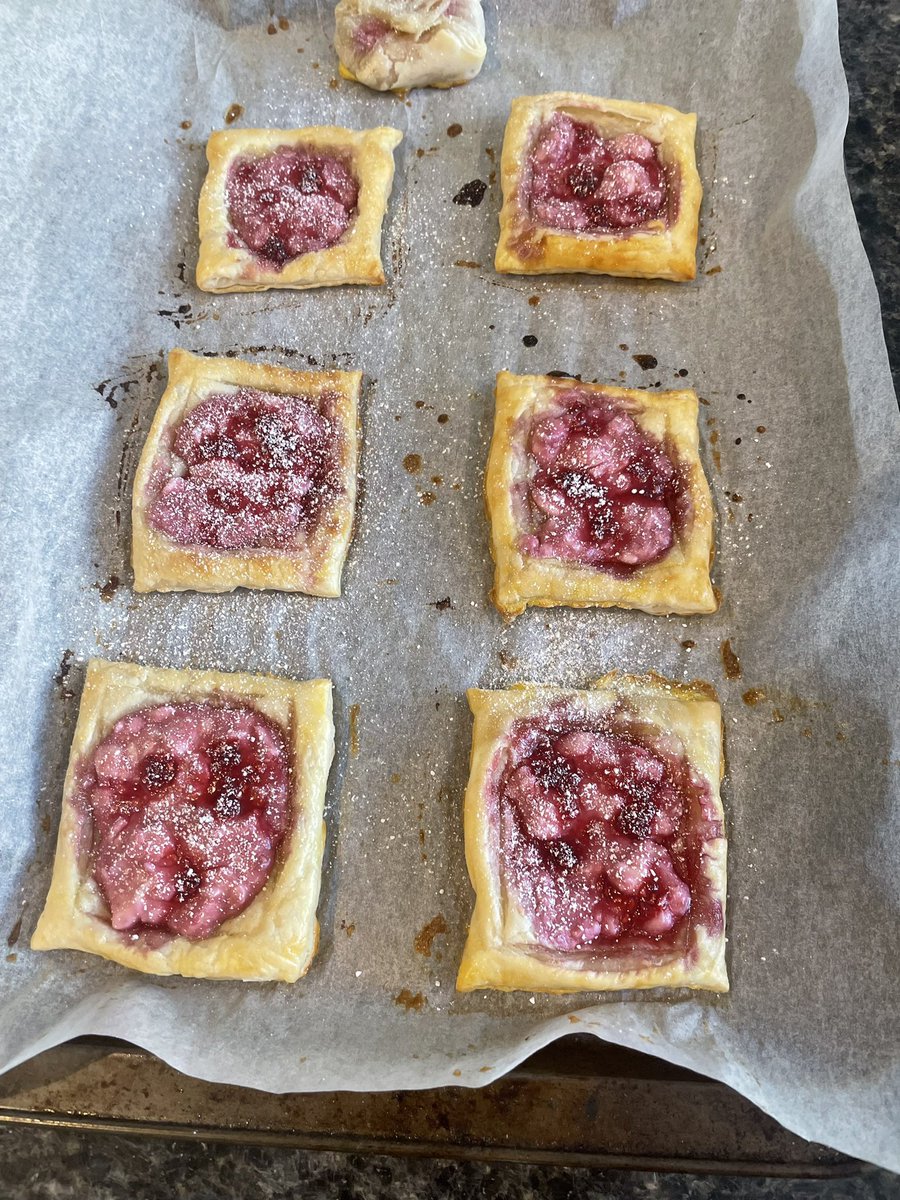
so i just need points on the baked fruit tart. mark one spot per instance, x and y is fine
(191, 835)
(247, 479)
(393, 45)
(606, 187)
(596, 496)
(595, 838)
(294, 208)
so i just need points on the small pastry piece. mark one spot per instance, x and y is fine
(191, 835)
(294, 208)
(392, 45)
(602, 186)
(596, 496)
(595, 838)
(247, 479)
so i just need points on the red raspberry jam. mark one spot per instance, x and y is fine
(289, 203)
(602, 492)
(601, 835)
(248, 470)
(586, 183)
(185, 807)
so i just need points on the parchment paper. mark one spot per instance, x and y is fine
(781, 336)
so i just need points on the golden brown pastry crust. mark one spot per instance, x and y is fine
(315, 565)
(678, 583)
(356, 258)
(658, 252)
(494, 956)
(275, 937)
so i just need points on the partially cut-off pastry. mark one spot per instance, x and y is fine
(392, 45)
(247, 479)
(294, 208)
(191, 835)
(607, 187)
(596, 497)
(595, 838)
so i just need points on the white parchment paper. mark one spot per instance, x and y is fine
(105, 111)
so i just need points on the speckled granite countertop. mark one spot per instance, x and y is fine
(47, 1163)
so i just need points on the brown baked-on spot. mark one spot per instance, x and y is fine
(645, 361)
(688, 644)
(395, 777)
(65, 666)
(462, 262)
(283, 24)
(271, 28)
(354, 729)
(573, 1020)
(443, 418)
(427, 498)
(442, 605)
(509, 661)
(471, 194)
(413, 463)
(348, 929)
(454, 130)
(457, 1072)
(108, 590)
(424, 939)
(15, 932)
(752, 696)
(730, 661)
(186, 124)
(236, 110)
(534, 301)
(713, 270)
(410, 1002)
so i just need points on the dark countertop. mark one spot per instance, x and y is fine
(870, 43)
(44, 1163)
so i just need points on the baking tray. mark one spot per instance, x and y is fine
(576, 1103)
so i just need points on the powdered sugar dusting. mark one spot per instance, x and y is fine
(602, 827)
(583, 182)
(247, 470)
(290, 202)
(184, 807)
(601, 491)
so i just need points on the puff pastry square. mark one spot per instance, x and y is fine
(392, 45)
(595, 838)
(155, 867)
(606, 187)
(247, 479)
(596, 497)
(294, 208)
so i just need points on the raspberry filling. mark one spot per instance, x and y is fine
(368, 33)
(248, 470)
(289, 203)
(603, 492)
(602, 832)
(586, 183)
(185, 806)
